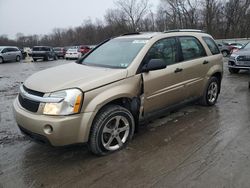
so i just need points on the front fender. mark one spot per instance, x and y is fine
(126, 88)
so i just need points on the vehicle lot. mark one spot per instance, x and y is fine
(193, 147)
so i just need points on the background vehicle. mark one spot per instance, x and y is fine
(130, 78)
(240, 60)
(236, 45)
(45, 53)
(60, 52)
(10, 53)
(92, 46)
(84, 49)
(73, 53)
(224, 48)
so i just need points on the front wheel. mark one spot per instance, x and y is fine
(112, 128)
(233, 70)
(225, 53)
(1, 60)
(211, 93)
(46, 58)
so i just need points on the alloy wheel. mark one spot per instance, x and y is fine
(212, 92)
(115, 133)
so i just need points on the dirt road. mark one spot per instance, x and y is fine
(193, 147)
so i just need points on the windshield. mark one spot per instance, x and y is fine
(247, 46)
(116, 53)
(57, 49)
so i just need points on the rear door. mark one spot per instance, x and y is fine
(163, 87)
(195, 65)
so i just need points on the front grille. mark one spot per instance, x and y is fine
(243, 58)
(27, 103)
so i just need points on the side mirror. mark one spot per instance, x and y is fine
(154, 64)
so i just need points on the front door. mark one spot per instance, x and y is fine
(166, 86)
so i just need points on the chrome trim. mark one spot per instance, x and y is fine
(238, 67)
(26, 95)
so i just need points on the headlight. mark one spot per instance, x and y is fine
(233, 56)
(71, 103)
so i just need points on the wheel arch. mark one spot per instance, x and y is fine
(218, 75)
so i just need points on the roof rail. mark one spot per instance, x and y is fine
(132, 33)
(184, 30)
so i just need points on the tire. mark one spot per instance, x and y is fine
(211, 92)
(55, 57)
(46, 58)
(18, 58)
(111, 130)
(1, 60)
(225, 53)
(233, 70)
(34, 60)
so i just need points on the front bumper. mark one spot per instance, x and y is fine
(67, 130)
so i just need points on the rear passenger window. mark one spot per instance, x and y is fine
(165, 49)
(191, 48)
(211, 45)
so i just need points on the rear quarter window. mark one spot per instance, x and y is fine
(211, 45)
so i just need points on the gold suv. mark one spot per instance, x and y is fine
(101, 99)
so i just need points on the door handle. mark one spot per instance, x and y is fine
(205, 62)
(178, 70)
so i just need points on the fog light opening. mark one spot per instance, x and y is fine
(48, 129)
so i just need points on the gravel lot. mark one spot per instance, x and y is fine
(193, 147)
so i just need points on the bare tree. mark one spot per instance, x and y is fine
(134, 10)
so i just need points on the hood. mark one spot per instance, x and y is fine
(73, 76)
(243, 52)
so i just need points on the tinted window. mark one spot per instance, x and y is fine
(36, 49)
(191, 48)
(57, 49)
(211, 45)
(165, 49)
(5, 50)
(45, 49)
(11, 49)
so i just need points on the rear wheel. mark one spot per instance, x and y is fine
(18, 58)
(112, 128)
(233, 70)
(211, 93)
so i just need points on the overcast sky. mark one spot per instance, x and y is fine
(42, 16)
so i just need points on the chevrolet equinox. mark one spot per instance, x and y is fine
(101, 99)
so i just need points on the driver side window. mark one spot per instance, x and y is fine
(165, 49)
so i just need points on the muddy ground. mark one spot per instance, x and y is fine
(193, 147)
